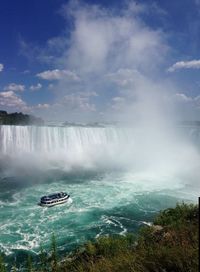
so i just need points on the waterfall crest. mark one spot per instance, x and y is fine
(34, 139)
(99, 147)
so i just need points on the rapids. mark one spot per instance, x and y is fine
(118, 178)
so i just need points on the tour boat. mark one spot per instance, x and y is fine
(54, 199)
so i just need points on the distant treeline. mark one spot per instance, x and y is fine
(18, 118)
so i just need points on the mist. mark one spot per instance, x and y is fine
(110, 67)
(144, 154)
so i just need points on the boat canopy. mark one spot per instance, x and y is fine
(54, 196)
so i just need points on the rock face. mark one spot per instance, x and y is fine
(18, 118)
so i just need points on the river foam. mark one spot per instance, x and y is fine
(116, 179)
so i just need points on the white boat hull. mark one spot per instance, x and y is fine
(67, 200)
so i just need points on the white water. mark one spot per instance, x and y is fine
(150, 152)
(51, 139)
(135, 173)
(65, 147)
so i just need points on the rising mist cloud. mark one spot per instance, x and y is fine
(112, 54)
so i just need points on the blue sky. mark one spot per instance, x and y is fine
(100, 60)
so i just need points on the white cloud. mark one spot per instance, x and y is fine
(106, 48)
(1, 67)
(187, 107)
(36, 87)
(14, 87)
(102, 48)
(10, 99)
(118, 99)
(183, 97)
(102, 40)
(42, 106)
(58, 74)
(114, 53)
(125, 77)
(118, 103)
(186, 100)
(78, 102)
(192, 64)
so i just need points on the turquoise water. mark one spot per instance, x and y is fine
(106, 203)
(117, 182)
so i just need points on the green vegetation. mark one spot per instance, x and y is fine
(19, 119)
(54, 258)
(29, 264)
(2, 265)
(169, 245)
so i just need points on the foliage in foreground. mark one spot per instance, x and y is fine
(170, 244)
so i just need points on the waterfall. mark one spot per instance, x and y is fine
(19, 139)
(138, 150)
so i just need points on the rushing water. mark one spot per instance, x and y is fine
(116, 187)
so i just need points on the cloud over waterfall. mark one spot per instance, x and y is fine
(114, 53)
(101, 45)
